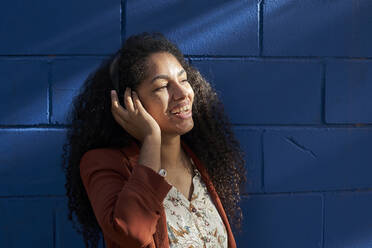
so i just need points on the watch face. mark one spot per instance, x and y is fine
(163, 172)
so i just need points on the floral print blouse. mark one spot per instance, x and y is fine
(195, 223)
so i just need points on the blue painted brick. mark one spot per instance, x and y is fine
(31, 162)
(199, 27)
(250, 141)
(26, 222)
(317, 159)
(50, 27)
(266, 92)
(348, 91)
(289, 221)
(23, 91)
(317, 28)
(66, 236)
(68, 76)
(348, 220)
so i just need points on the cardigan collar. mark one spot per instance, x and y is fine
(161, 236)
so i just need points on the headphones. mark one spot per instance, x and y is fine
(114, 72)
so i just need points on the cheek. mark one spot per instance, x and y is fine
(191, 92)
(157, 106)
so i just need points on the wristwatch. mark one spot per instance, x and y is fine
(162, 172)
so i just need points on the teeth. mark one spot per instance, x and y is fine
(178, 110)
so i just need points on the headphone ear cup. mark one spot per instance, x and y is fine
(114, 72)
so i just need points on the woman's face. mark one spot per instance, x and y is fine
(166, 94)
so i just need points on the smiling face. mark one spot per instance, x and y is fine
(166, 94)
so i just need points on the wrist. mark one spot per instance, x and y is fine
(150, 153)
(154, 139)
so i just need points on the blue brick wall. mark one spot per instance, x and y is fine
(295, 77)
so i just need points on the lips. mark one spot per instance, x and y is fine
(182, 110)
(183, 114)
(185, 106)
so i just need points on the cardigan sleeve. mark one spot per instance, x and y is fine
(127, 204)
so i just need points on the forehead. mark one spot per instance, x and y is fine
(163, 63)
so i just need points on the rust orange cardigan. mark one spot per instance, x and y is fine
(127, 197)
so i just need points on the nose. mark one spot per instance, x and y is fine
(179, 91)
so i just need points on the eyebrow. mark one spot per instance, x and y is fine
(161, 76)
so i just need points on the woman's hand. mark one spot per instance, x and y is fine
(134, 118)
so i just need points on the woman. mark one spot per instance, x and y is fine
(155, 163)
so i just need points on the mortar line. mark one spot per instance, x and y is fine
(123, 15)
(31, 196)
(262, 162)
(276, 127)
(336, 191)
(323, 91)
(260, 26)
(83, 55)
(54, 227)
(323, 221)
(49, 93)
(34, 127)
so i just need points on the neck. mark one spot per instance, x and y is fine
(171, 152)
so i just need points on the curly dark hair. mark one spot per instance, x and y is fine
(93, 126)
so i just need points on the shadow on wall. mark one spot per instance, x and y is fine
(45, 27)
(199, 28)
(317, 28)
(23, 92)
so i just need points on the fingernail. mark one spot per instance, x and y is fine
(112, 92)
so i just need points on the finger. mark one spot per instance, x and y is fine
(119, 120)
(114, 99)
(117, 108)
(128, 100)
(128, 127)
(137, 102)
(121, 113)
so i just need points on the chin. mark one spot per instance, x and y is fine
(188, 129)
(181, 129)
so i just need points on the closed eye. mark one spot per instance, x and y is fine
(165, 86)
